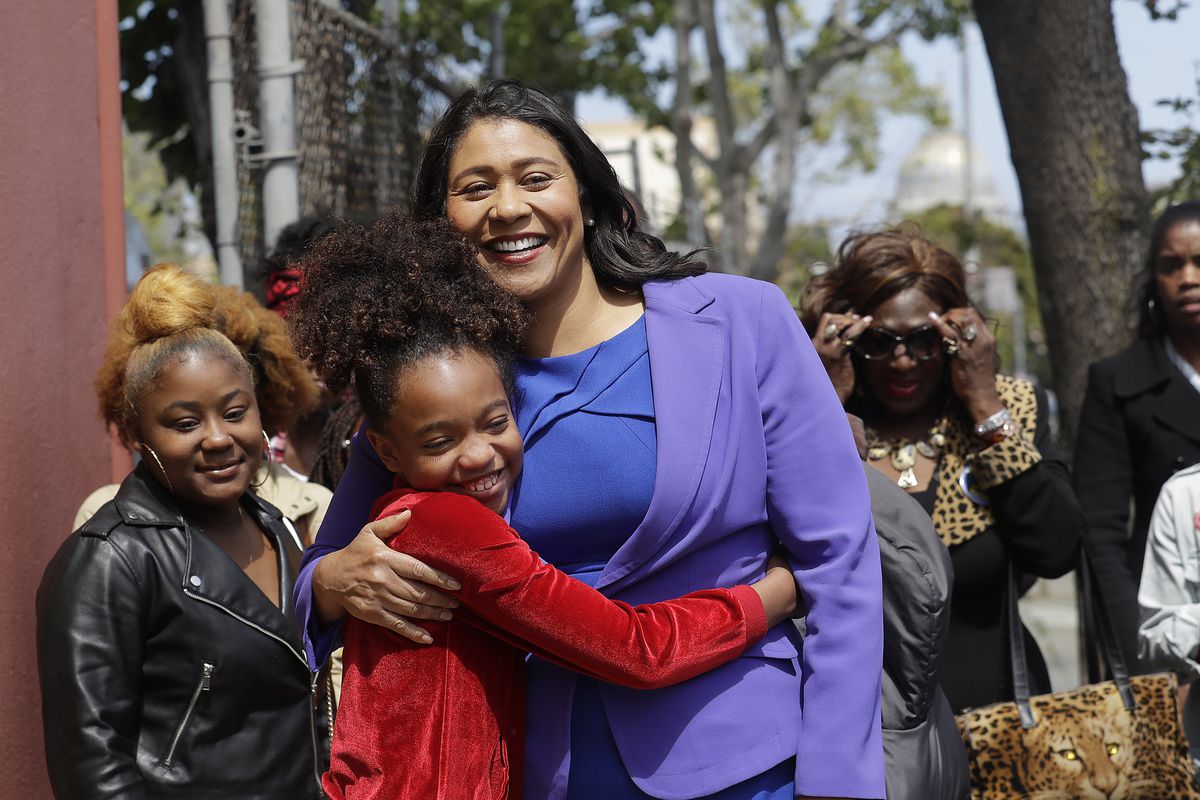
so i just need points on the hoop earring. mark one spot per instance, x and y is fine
(154, 455)
(265, 467)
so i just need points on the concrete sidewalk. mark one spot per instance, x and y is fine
(1049, 611)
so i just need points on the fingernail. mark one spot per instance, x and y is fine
(934, 316)
(445, 616)
(426, 639)
(868, 318)
(453, 585)
(454, 603)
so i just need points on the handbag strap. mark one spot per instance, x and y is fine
(1103, 625)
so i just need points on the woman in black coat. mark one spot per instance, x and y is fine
(1141, 418)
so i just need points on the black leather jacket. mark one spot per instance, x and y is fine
(165, 672)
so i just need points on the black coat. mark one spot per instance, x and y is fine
(1140, 424)
(1037, 523)
(165, 672)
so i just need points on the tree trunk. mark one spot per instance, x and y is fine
(785, 103)
(681, 124)
(1073, 133)
(190, 61)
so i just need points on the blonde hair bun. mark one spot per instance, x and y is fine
(168, 300)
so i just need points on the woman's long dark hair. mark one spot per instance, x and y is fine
(622, 255)
(1152, 320)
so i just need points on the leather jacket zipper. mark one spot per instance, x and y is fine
(312, 727)
(205, 684)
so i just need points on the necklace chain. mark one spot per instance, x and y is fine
(904, 451)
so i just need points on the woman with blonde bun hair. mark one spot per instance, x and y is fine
(283, 388)
(168, 664)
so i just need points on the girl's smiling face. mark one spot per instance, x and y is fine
(452, 429)
(201, 422)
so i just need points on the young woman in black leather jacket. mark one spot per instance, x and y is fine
(169, 666)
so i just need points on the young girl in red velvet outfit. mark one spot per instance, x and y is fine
(430, 344)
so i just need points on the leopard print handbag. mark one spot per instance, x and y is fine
(1119, 740)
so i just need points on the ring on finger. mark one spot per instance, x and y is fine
(831, 331)
(849, 341)
(952, 345)
(970, 333)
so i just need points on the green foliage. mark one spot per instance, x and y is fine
(807, 247)
(1181, 144)
(855, 98)
(152, 97)
(557, 45)
(157, 203)
(1165, 9)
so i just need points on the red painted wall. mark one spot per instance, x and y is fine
(60, 279)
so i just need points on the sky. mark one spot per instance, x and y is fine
(1161, 60)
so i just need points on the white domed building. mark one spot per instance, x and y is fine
(934, 173)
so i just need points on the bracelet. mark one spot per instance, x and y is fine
(993, 423)
(1007, 430)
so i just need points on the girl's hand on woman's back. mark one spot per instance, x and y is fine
(375, 583)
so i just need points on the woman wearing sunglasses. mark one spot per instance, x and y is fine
(908, 353)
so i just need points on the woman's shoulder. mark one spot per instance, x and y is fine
(717, 284)
(720, 294)
(1185, 484)
(1141, 364)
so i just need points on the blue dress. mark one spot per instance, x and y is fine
(590, 447)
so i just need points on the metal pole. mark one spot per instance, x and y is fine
(968, 188)
(217, 31)
(281, 173)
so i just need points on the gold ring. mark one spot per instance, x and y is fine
(952, 345)
(848, 342)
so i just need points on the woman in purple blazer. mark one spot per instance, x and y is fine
(677, 425)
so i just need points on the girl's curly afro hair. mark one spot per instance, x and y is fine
(374, 300)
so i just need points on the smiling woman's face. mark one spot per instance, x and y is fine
(901, 384)
(512, 192)
(201, 421)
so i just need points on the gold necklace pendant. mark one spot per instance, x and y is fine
(905, 457)
(908, 479)
(878, 451)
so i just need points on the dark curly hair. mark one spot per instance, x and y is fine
(374, 300)
(622, 254)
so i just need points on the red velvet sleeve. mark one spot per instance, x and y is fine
(513, 595)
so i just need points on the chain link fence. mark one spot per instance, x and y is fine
(357, 118)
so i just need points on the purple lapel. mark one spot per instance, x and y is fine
(686, 364)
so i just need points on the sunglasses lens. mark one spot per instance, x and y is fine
(873, 344)
(924, 343)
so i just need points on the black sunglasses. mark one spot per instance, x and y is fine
(922, 343)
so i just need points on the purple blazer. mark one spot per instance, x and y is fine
(753, 448)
